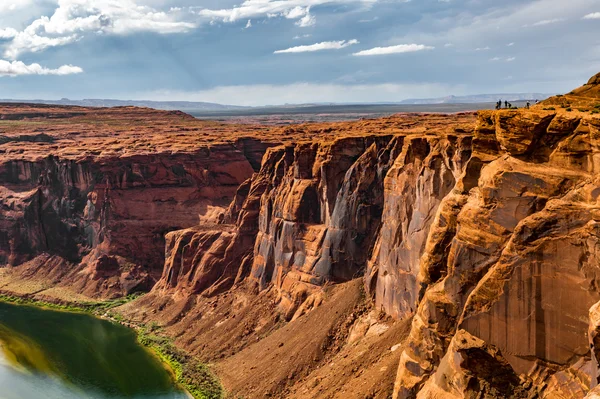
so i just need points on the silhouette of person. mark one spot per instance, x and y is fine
(505, 104)
(528, 104)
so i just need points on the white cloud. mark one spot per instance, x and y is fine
(447, 45)
(319, 47)
(401, 48)
(594, 15)
(510, 59)
(486, 48)
(8, 33)
(546, 22)
(248, 24)
(292, 9)
(299, 93)
(18, 68)
(296, 12)
(495, 59)
(306, 21)
(73, 19)
(12, 5)
(510, 44)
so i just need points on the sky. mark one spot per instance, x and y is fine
(261, 52)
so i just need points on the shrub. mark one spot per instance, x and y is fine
(550, 109)
(569, 109)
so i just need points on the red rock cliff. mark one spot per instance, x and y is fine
(428, 256)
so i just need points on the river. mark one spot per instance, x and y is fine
(46, 354)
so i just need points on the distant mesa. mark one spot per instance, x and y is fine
(185, 106)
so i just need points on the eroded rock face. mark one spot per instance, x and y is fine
(472, 368)
(482, 236)
(104, 213)
(519, 266)
(421, 176)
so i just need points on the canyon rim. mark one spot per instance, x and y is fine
(411, 256)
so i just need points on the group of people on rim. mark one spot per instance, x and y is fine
(508, 105)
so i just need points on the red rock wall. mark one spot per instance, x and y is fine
(120, 208)
(520, 265)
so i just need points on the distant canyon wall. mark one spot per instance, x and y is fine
(108, 216)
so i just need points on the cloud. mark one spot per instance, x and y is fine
(401, 48)
(509, 59)
(510, 44)
(72, 19)
(486, 48)
(7, 5)
(248, 24)
(306, 21)
(547, 22)
(319, 47)
(8, 33)
(302, 36)
(291, 9)
(594, 15)
(18, 68)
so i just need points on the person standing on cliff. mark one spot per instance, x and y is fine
(505, 103)
(528, 104)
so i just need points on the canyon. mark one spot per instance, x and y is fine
(412, 256)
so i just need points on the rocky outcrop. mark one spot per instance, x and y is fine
(472, 368)
(519, 266)
(477, 241)
(485, 239)
(112, 216)
(311, 216)
(105, 217)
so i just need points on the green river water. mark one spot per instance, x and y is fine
(47, 354)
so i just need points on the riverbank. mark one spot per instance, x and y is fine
(196, 378)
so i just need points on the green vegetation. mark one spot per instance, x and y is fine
(97, 308)
(569, 109)
(595, 111)
(194, 376)
(550, 109)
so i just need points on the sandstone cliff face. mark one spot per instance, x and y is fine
(476, 243)
(95, 221)
(312, 214)
(111, 216)
(520, 266)
(486, 239)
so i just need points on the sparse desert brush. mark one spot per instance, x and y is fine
(569, 109)
(550, 109)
